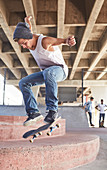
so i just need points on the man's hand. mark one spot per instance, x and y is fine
(27, 20)
(97, 108)
(71, 41)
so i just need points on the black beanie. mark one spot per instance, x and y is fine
(22, 31)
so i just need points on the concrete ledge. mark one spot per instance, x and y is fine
(11, 128)
(59, 153)
(10, 120)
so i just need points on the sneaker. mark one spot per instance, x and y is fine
(92, 125)
(32, 118)
(51, 117)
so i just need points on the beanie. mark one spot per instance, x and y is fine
(22, 31)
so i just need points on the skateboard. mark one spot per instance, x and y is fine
(38, 132)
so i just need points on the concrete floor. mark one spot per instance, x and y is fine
(101, 161)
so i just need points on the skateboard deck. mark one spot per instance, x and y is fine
(37, 132)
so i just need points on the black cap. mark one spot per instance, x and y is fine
(22, 31)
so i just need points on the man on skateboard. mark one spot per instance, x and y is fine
(101, 107)
(48, 56)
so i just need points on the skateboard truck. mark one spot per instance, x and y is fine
(35, 136)
(52, 128)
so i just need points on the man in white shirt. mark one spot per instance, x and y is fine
(101, 107)
(49, 58)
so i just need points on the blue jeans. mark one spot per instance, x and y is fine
(90, 117)
(102, 115)
(50, 76)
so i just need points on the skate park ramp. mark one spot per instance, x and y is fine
(75, 117)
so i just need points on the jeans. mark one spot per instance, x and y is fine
(90, 117)
(50, 76)
(102, 115)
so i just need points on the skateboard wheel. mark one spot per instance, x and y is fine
(40, 133)
(49, 134)
(51, 128)
(31, 140)
(58, 125)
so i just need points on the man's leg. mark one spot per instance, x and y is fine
(25, 85)
(103, 115)
(52, 75)
(90, 118)
(100, 120)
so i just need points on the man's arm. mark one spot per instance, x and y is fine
(85, 105)
(97, 107)
(48, 42)
(106, 107)
(27, 20)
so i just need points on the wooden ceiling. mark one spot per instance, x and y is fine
(86, 19)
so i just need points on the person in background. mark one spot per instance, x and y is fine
(102, 108)
(88, 109)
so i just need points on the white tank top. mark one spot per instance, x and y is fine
(45, 58)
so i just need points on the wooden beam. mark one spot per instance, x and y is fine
(30, 9)
(87, 83)
(85, 63)
(98, 57)
(7, 59)
(101, 64)
(60, 19)
(70, 83)
(85, 91)
(91, 47)
(9, 33)
(102, 74)
(89, 27)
